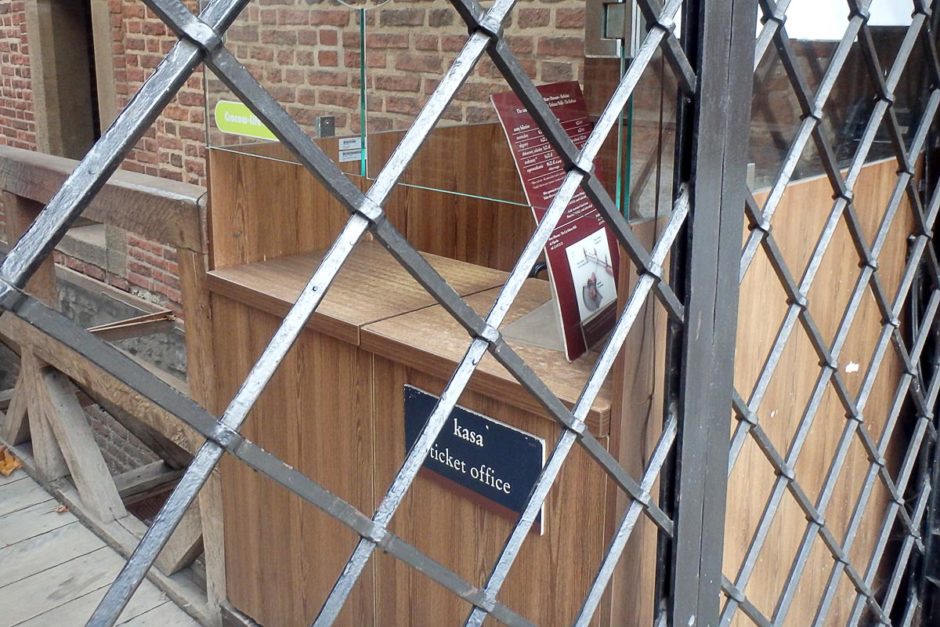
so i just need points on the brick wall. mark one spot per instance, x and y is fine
(17, 125)
(174, 146)
(311, 56)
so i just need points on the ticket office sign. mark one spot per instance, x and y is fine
(582, 253)
(483, 459)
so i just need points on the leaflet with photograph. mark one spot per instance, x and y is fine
(582, 253)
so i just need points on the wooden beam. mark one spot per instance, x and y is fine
(56, 396)
(184, 546)
(142, 483)
(42, 75)
(166, 449)
(147, 324)
(92, 379)
(49, 459)
(101, 35)
(166, 211)
(197, 311)
(180, 385)
(20, 213)
(15, 428)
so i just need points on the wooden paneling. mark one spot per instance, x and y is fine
(553, 571)
(283, 555)
(324, 412)
(467, 159)
(262, 209)
(265, 205)
(20, 213)
(478, 221)
(316, 415)
(474, 230)
(796, 227)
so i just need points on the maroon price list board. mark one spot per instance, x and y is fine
(582, 253)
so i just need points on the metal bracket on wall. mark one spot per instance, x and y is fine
(612, 29)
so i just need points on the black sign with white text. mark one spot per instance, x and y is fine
(487, 457)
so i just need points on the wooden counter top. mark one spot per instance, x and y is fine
(431, 340)
(371, 286)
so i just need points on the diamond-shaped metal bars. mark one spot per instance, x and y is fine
(761, 226)
(868, 279)
(108, 152)
(830, 375)
(812, 107)
(903, 183)
(191, 30)
(115, 363)
(909, 541)
(907, 467)
(368, 215)
(201, 38)
(580, 168)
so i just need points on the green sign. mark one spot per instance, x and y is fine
(237, 119)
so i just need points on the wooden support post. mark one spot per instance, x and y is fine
(184, 546)
(202, 386)
(15, 428)
(49, 459)
(20, 213)
(146, 481)
(62, 411)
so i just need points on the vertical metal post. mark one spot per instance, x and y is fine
(720, 35)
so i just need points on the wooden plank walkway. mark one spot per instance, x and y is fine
(53, 571)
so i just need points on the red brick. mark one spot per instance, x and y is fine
(561, 47)
(409, 62)
(328, 37)
(569, 18)
(397, 82)
(402, 17)
(534, 18)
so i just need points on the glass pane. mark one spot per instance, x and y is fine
(409, 44)
(815, 30)
(307, 55)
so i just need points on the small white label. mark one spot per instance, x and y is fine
(350, 143)
(349, 155)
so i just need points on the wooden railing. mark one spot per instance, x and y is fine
(45, 421)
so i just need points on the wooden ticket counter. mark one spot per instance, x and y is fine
(335, 411)
(336, 407)
(555, 567)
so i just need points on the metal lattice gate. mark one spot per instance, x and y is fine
(684, 488)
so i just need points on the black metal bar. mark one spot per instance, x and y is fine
(725, 68)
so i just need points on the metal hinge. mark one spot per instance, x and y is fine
(612, 29)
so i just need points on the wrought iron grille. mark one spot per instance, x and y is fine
(714, 61)
(907, 491)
